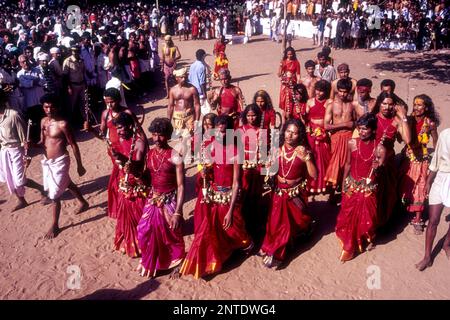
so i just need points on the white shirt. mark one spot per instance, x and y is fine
(31, 84)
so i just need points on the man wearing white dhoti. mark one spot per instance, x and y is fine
(12, 140)
(55, 136)
(437, 190)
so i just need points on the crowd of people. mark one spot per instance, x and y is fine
(254, 191)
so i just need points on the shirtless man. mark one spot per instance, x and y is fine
(170, 55)
(364, 102)
(343, 71)
(55, 136)
(184, 105)
(339, 120)
(310, 79)
(228, 98)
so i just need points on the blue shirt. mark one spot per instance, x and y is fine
(197, 76)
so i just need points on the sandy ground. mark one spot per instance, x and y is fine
(34, 268)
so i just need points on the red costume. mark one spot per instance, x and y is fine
(195, 26)
(320, 144)
(130, 203)
(288, 212)
(113, 182)
(414, 169)
(386, 134)
(229, 100)
(357, 219)
(289, 71)
(162, 247)
(339, 150)
(212, 245)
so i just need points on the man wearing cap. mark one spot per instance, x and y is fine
(184, 105)
(49, 81)
(343, 71)
(74, 77)
(170, 55)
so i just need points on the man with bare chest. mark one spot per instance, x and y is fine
(184, 105)
(343, 71)
(55, 136)
(310, 79)
(170, 55)
(228, 98)
(339, 120)
(364, 103)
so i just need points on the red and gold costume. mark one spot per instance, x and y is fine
(212, 244)
(358, 218)
(414, 169)
(320, 145)
(113, 183)
(130, 202)
(229, 100)
(288, 212)
(289, 71)
(339, 149)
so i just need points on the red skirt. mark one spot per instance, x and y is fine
(321, 152)
(412, 184)
(287, 218)
(339, 149)
(356, 222)
(212, 245)
(129, 215)
(286, 100)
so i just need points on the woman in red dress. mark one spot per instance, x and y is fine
(264, 102)
(288, 215)
(414, 169)
(222, 230)
(195, 22)
(130, 156)
(358, 220)
(289, 72)
(300, 99)
(392, 125)
(108, 132)
(317, 135)
(254, 143)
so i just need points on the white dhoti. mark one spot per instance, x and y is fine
(440, 190)
(55, 173)
(12, 170)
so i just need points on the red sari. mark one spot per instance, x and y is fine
(162, 247)
(212, 245)
(113, 182)
(414, 169)
(289, 71)
(387, 195)
(320, 145)
(195, 26)
(288, 212)
(129, 211)
(357, 220)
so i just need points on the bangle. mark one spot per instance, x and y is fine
(177, 214)
(404, 119)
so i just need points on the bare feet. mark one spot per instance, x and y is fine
(446, 248)
(425, 263)
(82, 207)
(20, 205)
(52, 233)
(346, 256)
(370, 247)
(175, 274)
(139, 267)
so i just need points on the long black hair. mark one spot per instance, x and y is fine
(385, 95)
(286, 52)
(302, 138)
(430, 112)
(263, 94)
(252, 107)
